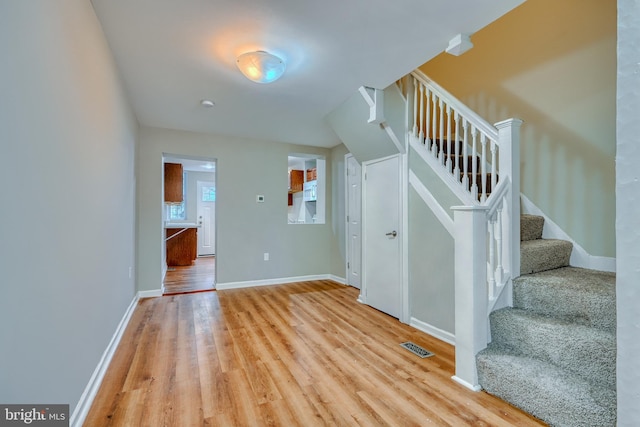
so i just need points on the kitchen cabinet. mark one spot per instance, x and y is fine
(182, 246)
(173, 182)
(296, 182)
(296, 179)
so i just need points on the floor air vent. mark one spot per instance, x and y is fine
(416, 349)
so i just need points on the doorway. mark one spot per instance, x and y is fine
(382, 230)
(195, 216)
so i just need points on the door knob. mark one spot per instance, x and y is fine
(392, 234)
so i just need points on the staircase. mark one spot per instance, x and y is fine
(553, 354)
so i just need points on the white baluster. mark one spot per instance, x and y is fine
(492, 260)
(415, 105)
(448, 163)
(483, 167)
(434, 123)
(456, 125)
(474, 163)
(465, 160)
(494, 165)
(499, 268)
(441, 150)
(427, 118)
(421, 135)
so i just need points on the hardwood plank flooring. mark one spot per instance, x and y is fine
(200, 276)
(303, 354)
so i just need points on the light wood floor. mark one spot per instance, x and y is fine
(303, 354)
(193, 278)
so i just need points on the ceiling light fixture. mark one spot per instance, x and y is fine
(207, 103)
(261, 66)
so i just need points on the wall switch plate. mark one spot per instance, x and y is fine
(259, 198)
(266, 256)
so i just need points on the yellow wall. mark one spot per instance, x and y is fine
(552, 64)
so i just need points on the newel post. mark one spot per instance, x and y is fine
(471, 294)
(509, 143)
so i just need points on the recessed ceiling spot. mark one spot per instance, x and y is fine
(207, 103)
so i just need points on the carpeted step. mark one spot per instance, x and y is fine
(531, 227)
(586, 297)
(544, 254)
(586, 352)
(545, 390)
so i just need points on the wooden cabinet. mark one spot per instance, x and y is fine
(182, 246)
(173, 183)
(296, 181)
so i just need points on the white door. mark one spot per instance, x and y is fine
(353, 212)
(206, 211)
(382, 240)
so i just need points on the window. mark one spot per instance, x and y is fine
(208, 194)
(177, 212)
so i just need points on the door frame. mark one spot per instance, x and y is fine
(347, 210)
(163, 249)
(404, 315)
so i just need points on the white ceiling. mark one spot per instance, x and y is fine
(174, 53)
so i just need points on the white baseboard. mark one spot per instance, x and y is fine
(433, 331)
(466, 384)
(150, 294)
(86, 399)
(280, 281)
(579, 256)
(340, 280)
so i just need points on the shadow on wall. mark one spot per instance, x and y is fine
(557, 72)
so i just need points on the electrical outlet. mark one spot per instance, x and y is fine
(259, 198)
(266, 256)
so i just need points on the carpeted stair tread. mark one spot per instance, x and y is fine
(544, 254)
(587, 297)
(531, 227)
(584, 351)
(545, 390)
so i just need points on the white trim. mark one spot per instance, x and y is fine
(88, 395)
(340, 280)
(392, 135)
(150, 294)
(404, 176)
(281, 281)
(432, 203)
(438, 333)
(466, 384)
(579, 256)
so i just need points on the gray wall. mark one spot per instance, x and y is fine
(431, 267)
(245, 229)
(67, 225)
(627, 208)
(366, 141)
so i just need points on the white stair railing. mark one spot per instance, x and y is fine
(480, 164)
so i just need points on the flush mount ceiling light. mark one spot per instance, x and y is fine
(261, 66)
